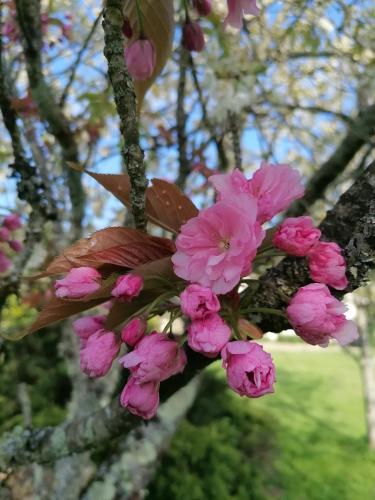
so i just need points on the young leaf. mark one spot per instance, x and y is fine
(120, 246)
(158, 25)
(166, 205)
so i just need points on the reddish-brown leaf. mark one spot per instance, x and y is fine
(58, 309)
(166, 205)
(119, 246)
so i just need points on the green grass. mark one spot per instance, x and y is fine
(307, 441)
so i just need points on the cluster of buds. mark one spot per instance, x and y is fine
(9, 225)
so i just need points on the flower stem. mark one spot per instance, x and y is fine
(140, 18)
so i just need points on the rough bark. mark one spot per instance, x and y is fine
(126, 105)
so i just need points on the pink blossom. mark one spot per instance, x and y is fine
(236, 10)
(216, 248)
(79, 281)
(198, 302)
(327, 265)
(296, 236)
(193, 37)
(250, 370)
(317, 316)
(134, 331)
(203, 7)
(155, 358)
(99, 352)
(141, 399)
(4, 234)
(86, 326)
(140, 58)
(12, 222)
(208, 336)
(127, 287)
(275, 187)
(15, 245)
(5, 263)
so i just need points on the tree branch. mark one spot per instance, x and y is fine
(28, 17)
(184, 169)
(359, 133)
(126, 105)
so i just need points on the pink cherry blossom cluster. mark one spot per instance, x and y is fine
(140, 54)
(9, 225)
(215, 251)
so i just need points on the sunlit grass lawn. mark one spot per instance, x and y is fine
(306, 441)
(321, 434)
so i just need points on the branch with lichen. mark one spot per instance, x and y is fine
(29, 21)
(274, 291)
(126, 106)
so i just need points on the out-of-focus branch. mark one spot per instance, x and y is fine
(233, 119)
(29, 186)
(360, 132)
(219, 140)
(126, 105)
(28, 17)
(78, 60)
(184, 165)
(275, 288)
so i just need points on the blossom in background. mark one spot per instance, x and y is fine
(193, 37)
(237, 9)
(140, 58)
(216, 248)
(327, 265)
(12, 222)
(133, 331)
(296, 236)
(15, 245)
(86, 326)
(127, 287)
(317, 316)
(250, 370)
(155, 358)
(208, 336)
(198, 302)
(99, 352)
(80, 281)
(203, 7)
(141, 399)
